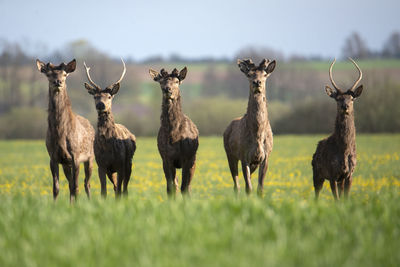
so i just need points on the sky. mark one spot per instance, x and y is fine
(195, 29)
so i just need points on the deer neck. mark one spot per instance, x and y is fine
(60, 115)
(105, 124)
(171, 115)
(257, 113)
(345, 131)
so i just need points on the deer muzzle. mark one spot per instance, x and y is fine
(100, 106)
(345, 108)
(168, 93)
(257, 84)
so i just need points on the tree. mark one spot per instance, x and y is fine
(355, 47)
(210, 83)
(391, 47)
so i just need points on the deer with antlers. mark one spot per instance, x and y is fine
(114, 144)
(249, 138)
(69, 138)
(178, 137)
(335, 157)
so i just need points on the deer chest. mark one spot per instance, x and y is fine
(59, 149)
(344, 165)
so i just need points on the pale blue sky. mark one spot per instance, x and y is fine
(200, 28)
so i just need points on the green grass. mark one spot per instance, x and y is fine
(213, 228)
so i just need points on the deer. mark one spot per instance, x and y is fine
(178, 137)
(70, 137)
(249, 138)
(114, 144)
(335, 157)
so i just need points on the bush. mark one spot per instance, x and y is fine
(212, 115)
(24, 123)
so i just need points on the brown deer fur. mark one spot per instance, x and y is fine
(69, 139)
(178, 136)
(114, 144)
(335, 157)
(249, 138)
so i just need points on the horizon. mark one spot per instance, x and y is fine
(143, 30)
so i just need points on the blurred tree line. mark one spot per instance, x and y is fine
(214, 92)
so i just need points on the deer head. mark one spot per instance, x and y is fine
(169, 82)
(56, 74)
(257, 75)
(103, 97)
(344, 99)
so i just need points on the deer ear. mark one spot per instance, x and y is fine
(182, 74)
(330, 92)
(358, 91)
(115, 89)
(70, 67)
(91, 89)
(154, 75)
(41, 66)
(243, 66)
(271, 66)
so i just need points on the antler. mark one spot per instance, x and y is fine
(330, 76)
(123, 73)
(175, 73)
(163, 73)
(359, 74)
(89, 78)
(263, 64)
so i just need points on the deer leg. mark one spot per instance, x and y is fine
(170, 172)
(128, 172)
(246, 176)
(112, 176)
(73, 183)
(318, 183)
(233, 166)
(187, 175)
(88, 172)
(68, 174)
(103, 182)
(347, 185)
(340, 187)
(120, 178)
(55, 173)
(334, 189)
(261, 175)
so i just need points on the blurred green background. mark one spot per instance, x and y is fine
(214, 92)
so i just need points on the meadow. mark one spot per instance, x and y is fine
(214, 227)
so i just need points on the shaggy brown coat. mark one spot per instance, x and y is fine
(177, 139)
(335, 157)
(114, 144)
(69, 139)
(249, 138)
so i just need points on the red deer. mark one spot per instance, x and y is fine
(69, 139)
(249, 138)
(114, 144)
(335, 157)
(178, 136)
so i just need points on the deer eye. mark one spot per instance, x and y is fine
(109, 97)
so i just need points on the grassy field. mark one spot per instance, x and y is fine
(213, 228)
